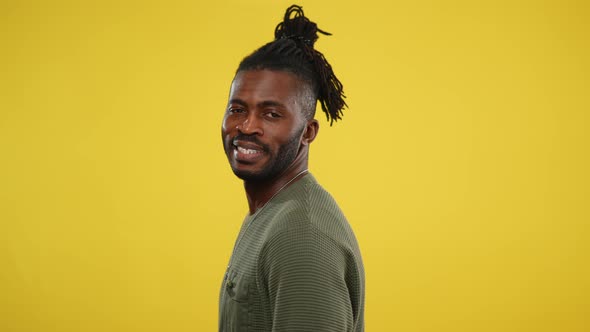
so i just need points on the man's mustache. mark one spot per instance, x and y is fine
(251, 139)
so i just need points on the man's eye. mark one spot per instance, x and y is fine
(273, 115)
(236, 110)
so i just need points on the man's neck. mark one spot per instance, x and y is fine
(259, 193)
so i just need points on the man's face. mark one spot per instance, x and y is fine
(263, 123)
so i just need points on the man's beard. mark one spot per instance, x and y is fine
(276, 164)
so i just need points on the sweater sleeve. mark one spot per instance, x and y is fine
(304, 274)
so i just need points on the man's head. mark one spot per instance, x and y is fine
(269, 120)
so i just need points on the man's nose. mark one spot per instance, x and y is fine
(251, 125)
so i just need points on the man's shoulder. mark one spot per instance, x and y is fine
(308, 208)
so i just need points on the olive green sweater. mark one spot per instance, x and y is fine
(296, 266)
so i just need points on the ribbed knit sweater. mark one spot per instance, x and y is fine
(296, 266)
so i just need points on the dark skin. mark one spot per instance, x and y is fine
(265, 132)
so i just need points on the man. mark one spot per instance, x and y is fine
(296, 265)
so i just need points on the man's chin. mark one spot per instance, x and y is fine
(251, 176)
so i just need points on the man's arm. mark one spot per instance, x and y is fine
(308, 278)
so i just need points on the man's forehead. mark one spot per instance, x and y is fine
(266, 81)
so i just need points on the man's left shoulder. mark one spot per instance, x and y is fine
(325, 214)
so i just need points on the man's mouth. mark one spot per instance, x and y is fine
(247, 152)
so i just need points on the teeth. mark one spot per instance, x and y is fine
(246, 151)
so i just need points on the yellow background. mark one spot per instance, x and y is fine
(462, 162)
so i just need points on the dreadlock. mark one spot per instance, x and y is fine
(292, 51)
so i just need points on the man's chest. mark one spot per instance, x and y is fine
(240, 304)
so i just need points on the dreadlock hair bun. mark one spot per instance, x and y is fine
(293, 51)
(299, 27)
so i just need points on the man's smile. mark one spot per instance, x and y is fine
(247, 152)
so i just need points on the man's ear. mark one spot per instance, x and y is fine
(311, 131)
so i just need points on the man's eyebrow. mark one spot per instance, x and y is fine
(238, 101)
(262, 104)
(270, 103)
